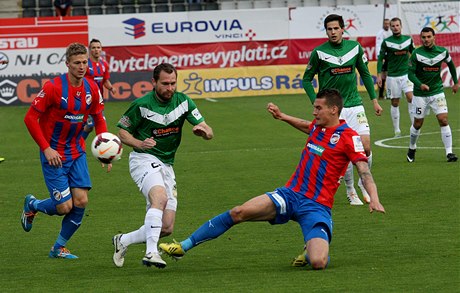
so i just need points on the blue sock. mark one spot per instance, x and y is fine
(70, 224)
(209, 230)
(46, 206)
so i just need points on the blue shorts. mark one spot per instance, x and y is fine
(314, 219)
(59, 180)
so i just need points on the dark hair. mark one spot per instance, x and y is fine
(166, 67)
(396, 19)
(427, 30)
(334, 17)
(94, 41)
(332, 96)
(75, 49)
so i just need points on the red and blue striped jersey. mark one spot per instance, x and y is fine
(98, 71)
(324, 161)
(62, 111)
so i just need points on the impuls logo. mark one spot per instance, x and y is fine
(135, 27)
(7, 92)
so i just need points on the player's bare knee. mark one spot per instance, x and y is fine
(318, 263)
(237, 214)
(167, 230)
(64, 209)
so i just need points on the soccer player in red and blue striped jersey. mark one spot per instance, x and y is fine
(55, 121)
(308, 196)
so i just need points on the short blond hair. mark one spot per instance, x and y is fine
(75, 49)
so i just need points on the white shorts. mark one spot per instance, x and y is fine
(422, 105)
(398, 84)
(356, 119)
(148, 171)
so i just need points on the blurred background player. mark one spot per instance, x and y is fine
(98, 70)
(384, 33)
(63, 7)
(153, 126)
(308, 196)
(425, 72)
(55, 121)
(335, 62)
(395, 51)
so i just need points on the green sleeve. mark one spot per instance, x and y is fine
(365, 74)
(412, 72)
(308, 76)
(381, 56)
(453, 70)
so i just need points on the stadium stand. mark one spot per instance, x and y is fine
(145, 8)
(128, 9)
(78, 11)
(195, 7)
(29, 13)
(46, 12)
(96, 10)
(45, 4)
(95, 3)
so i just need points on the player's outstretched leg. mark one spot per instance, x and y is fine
(174, 249)
(153, 259)
(61, 252)
(120, 251)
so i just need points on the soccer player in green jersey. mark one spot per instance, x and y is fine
(425, 72)
(335, 62)
(396, 51)
(153, 126)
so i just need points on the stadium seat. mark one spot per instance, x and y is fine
(128, 2)
(329, 3)
(96, 10)
(306, 3)
(178, 7)
(142, 2)
(78, 11)
(344, 2)
(160, 2)
(145, 8)
(211, 6)
(28, 4)
(225, 5)
(176, 1)
(46, 12)
(29, 12)
(78, 3)
(111, 2)
(162, 8)
(244, 4)
(280, 3)
(128, 9)
(112, 10)
(195, 7)
(262, 3)
(361, 2)
(45, 3)
(95, 3)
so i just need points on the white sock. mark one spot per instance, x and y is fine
(349, 179)
(394, 111)
(153, 223)
(414, 134)
(446, 136)
(134, 237)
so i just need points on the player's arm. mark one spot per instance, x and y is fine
(412, 72)
(309, 74)
(368, 182)
(453, 73)
(366, 76)
(380, 61)
(108, 85)
(204, 130)
(129, 140)
(300, 124)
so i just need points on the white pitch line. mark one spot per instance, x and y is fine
(381, 142)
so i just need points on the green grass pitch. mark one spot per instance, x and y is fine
(414, 247)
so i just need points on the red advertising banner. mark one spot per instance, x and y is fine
(42, 32)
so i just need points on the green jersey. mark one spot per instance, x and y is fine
(149, 117)
(396, 51)
(425, 68)
(335, 65)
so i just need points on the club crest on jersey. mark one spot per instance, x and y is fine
(88, 98)
(335, 138)
(316, 149)
(357, 143)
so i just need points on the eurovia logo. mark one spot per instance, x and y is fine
(441, 17)
(135, 27)
(350, 18)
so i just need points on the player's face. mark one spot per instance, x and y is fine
(77, 65)
(386, 25)
(95, 50)
(427, 39)
(334, 32)
(165, 86)
(395, 27)
(325, 116)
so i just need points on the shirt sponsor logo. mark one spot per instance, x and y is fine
(74, 118)
(431, 69)
(342, 70)
(316, 149)
(162, 132)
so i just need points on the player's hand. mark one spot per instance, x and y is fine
(113, 91)
(109, 167)
(200, 130)
(377, 207)
(148, 143)
(455, 88)
(379, 81)
(274, 110)
(424, 87)
(378, 109)
(53, 157)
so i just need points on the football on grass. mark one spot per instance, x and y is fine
(107, 147)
